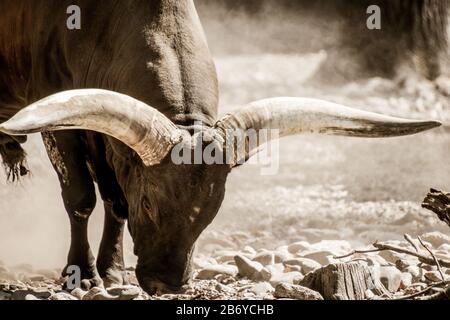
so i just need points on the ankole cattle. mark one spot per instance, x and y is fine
(112, 100)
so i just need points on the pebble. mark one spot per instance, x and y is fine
(212, 271)
(288, 277)
(23, 294)
(436, 238)
(306, 265)
(392, 256)
(125, 292)
(406, 280)
(265, 258)
(415, 272)
(275, 268)
(78, 293)
(445, 247)
(97, 293)
(369, 294)
(247, 268)
(403, 264)
(324, 257)
(248, 251)
(281, 254)
(225, 289)
(428, 267)
(291, 291)
(376, 260)
(298, 246)
(223, 256)
(262, 288)
(391, 278)
(433, 276)
(264, 275)
(5, 296)
(62, 296)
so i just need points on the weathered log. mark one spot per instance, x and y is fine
(439, 203)
(344, 281)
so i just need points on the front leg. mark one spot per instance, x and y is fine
(110, 262)
(67, 154)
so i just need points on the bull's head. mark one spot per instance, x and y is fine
(171, 204)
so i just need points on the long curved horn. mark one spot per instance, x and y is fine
(301, 115)
(143, 128)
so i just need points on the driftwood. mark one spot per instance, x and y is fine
(439, 203)
(384, 247)
(344, 281)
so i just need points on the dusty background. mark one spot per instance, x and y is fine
(360, 190)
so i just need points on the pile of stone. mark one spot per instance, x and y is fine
(301, 270)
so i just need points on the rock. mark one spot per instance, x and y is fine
(406, 280)
(376, 260)
(288, 277)
(225, 289)
(264, 275)
(265, 258)
(281, 254)
(247, 268)
(224, 256)
(248, 251)
(291, 291)
(392, 256)
(5, 296)
(344, 281)
(30, 297)
(211, 271)
(262, 289)
(62, 296)
(298, 246)
(291, 268)
(78, 293)
(4, 286)
(415, 272)
(433, 276)
(275, 268)
(444, 247)
(324, 257)
(369, 294)
(97, 293)
(22, 295)
(436, 238)
(403, 264)
(428, 267)
(391, 278)
(306, 265)
(127, 292)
